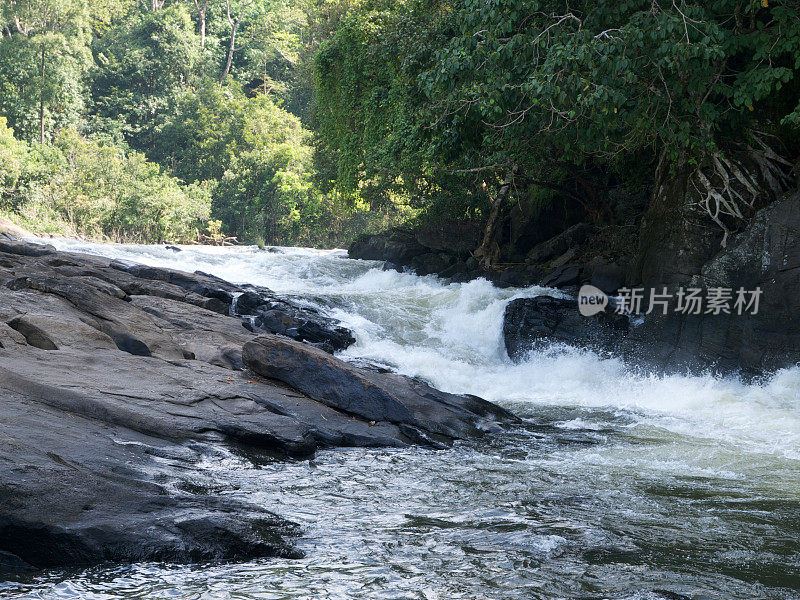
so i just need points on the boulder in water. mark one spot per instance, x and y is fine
(531, 323)
(371, 395)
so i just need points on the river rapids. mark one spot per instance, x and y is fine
(618, 485)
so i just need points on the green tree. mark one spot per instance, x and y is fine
(506, 93)
(13, 157)
(261, 155)
(143, 67)
(82, 187)
(43, 57)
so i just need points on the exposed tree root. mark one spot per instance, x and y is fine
(729, 188)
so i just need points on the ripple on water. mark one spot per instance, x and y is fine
(618, 486)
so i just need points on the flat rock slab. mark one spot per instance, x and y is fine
(115, 376)
(371, 395)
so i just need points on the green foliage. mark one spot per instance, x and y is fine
(82, 187)
(260, 153)
(604, 80)
(271, 45)
(143, 68)
(43, 59)
(213, 125)
(143, 143)
(266, 185)
(369, 105)
(448, 98)
(13, 156)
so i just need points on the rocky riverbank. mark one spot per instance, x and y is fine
(669, 255)
(116, 378)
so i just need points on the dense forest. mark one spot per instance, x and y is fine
(313, 121)
(169, 120)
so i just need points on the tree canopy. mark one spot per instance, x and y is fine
(294, 114)
(188, 113)
(494, 91)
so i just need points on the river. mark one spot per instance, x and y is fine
(619, 485)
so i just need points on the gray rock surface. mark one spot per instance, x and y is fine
(418, 408)
(115, 379)
(765, 255)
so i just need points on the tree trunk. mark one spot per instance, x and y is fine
(488, 252)
(201, 7)
(231, 49)
(675, 238)
(41, 101)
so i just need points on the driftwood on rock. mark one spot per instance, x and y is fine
(213, 240)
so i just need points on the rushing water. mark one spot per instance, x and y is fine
(618, 485)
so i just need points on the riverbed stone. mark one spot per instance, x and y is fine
(368, 394)
(116, 379)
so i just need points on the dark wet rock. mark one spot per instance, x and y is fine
(273, 314)
(107, 368)
(608, 277)
(24, 249)
(375, 396)
(513, 278)
(197, 283)
(265, 312)
(11, 232)
(438, 250)
(248, 303)
(303, 326)
(563, 276)
(567, 257)
(445, 250)
(457, 270)
(533, 323)
(765, 255)
(390, 266)
(78, 490)
(432, 263)
(33, 334)
(396, 245)
(676, 237)
(458, 238)
(11, 563)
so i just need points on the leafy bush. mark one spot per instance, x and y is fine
(82, 187)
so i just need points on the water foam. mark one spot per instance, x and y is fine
(450, 335)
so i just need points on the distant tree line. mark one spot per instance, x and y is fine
(151, 120)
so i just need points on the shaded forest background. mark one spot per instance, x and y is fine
(170, 120)
(314, 121)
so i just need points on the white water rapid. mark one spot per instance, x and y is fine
(622, 485)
